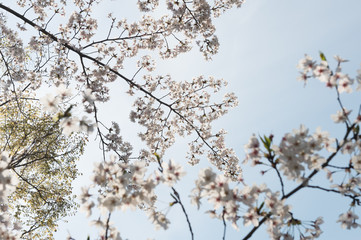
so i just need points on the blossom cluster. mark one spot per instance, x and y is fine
(52, 103)
(296, 151)
(299, 148)
(9, 229)
(310, 69)
(300, 155)
(124, 186)
(187, 108)
(218, 191)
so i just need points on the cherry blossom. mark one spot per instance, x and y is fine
(66, 50)
(348, 220)
(50, 102)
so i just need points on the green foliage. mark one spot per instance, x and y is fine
(266, 142)
(45, 161)
(323, 57)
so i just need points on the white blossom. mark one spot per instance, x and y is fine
(348, 220)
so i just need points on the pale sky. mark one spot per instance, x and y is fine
(261, 44)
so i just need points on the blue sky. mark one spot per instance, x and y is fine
(261, 44)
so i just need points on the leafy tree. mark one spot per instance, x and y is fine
(44, 160)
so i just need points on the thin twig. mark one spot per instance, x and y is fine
(107, 226)
(224, 224)
(184, 211)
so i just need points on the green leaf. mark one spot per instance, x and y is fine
(266, 142)
(260, 208)
(322, 56)
(157, 156)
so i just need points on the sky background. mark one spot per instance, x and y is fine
(260, 46)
